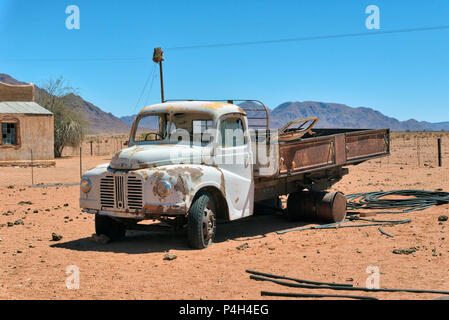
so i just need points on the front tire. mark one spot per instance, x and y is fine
(201, 222)
(111, 228)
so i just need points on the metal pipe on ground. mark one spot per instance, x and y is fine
(313, 295)
(258, 273)
(328, 287)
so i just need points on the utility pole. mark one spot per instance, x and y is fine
(158, 57)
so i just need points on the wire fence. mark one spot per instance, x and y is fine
(416, 149)
(97, 146)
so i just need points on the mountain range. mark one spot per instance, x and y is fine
(331, 115)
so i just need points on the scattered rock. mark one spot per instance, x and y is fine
(10, 224)
(405, 250)
(36, 211)
(10, 187)
(170, 256)
(66, 204)
(102, 239)
(17, 222)
(442, 218)
(56, 237)
(25, 202)
(243, 246)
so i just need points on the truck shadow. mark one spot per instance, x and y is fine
(138, 242)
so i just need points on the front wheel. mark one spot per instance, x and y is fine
(201, 222)
(111, 228)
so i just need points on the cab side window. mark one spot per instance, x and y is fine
(232, 133)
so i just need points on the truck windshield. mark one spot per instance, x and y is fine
(172, 127)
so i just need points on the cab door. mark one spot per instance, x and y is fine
(235, 161)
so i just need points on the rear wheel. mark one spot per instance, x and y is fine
(294, 207)
(201, 222)
(111, 228)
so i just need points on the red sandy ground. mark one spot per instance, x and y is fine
(34, 267)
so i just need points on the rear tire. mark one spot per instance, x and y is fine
(201, 222)
(294, 207)
(111, 228)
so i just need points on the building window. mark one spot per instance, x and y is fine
(9, 133)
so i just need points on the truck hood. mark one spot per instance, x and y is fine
(154, 155)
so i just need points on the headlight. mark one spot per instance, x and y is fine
(85, 185)
(162, 188)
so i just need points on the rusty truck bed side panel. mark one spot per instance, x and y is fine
(328, 151)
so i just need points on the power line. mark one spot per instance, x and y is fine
(234, 44)
(75, 59)
(144, 87)
(332, 36)
(151, 87)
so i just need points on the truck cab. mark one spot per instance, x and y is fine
(178, 161)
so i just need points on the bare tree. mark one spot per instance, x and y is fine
(70, 126)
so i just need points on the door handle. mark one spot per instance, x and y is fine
(246, 159)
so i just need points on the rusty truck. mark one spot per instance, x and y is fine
(188, 163)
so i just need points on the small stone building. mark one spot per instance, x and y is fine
(25, 126)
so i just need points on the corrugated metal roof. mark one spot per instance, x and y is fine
(22, 107)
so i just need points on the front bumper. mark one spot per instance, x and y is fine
(149, 211)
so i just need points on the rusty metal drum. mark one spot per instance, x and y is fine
(317, 206)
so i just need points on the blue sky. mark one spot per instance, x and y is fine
(404, 75)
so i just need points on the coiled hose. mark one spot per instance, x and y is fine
(421, 199)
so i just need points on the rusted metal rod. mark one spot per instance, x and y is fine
(418, 151)
(258, 273)
(307, 286)
(313, 295)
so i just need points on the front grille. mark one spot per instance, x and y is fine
(114, 195)
(107, 192)
(135, 192)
